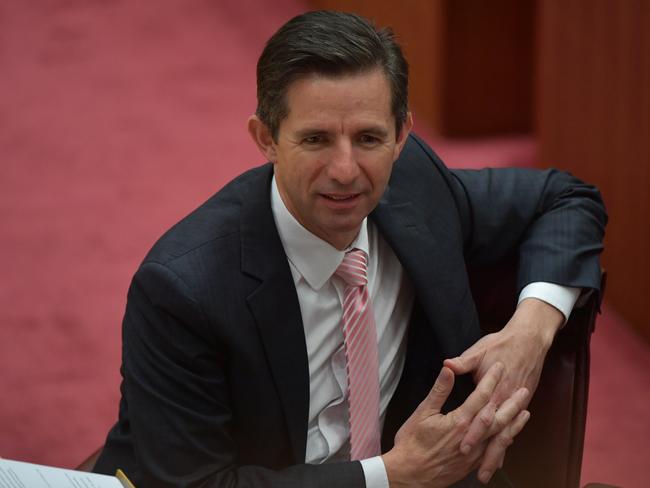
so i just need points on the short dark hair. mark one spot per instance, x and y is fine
(331, 44)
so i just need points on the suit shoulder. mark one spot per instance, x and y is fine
(417, 153)
(419, 174)
(216, 219)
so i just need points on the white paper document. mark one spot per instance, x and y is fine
(16, 474)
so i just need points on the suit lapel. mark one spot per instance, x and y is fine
(434, 262)
(274, 305)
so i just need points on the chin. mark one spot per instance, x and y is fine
(344, 227)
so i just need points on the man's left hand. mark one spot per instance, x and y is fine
(521, 346)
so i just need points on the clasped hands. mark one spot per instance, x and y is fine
(435, 450)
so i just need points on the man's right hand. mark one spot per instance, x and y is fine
(427, 447)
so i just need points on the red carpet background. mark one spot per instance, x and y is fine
(118, 118)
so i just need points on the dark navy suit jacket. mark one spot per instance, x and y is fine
(215, 387)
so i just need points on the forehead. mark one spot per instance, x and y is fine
(316, 96)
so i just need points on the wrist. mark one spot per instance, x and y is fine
(395, 470)
(541, 319)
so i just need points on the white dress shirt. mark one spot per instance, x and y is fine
(320, 295)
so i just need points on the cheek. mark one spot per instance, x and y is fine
(294, 171)
(312, 175)
(379, 175)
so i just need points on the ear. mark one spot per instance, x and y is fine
(261, 136)
(403, 135)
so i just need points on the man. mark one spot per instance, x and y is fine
(273, 334)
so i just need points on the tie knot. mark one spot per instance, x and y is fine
(353, 268)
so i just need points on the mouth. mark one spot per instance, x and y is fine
(341, 201)
(339, 198)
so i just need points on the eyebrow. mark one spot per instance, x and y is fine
(375, 130)
(311, 131)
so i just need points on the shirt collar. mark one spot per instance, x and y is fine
(315, 259)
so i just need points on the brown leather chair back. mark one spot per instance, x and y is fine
(548, 452)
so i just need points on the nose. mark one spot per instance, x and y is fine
(342, 166)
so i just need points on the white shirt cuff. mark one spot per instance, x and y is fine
(561, 297)
(375, 472)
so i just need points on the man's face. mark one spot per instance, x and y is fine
(335, 152)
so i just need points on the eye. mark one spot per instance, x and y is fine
(313, 140)
(369, 139)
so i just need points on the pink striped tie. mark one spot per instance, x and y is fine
(361, 356)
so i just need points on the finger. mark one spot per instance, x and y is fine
(491, 420)
(482, 393)
(439, 392)
(486, 472)
(503, 390)
(496, 449)
(509, 410)
(478, 429)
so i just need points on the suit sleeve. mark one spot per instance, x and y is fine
(175, 385)
(554, 222)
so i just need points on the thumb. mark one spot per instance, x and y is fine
(439, 392)
(464, 363)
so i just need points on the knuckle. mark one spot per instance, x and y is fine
(504, 440)
(485, 419)
(483, 396)
(461, 423)
(499, 423)
(438, 388)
